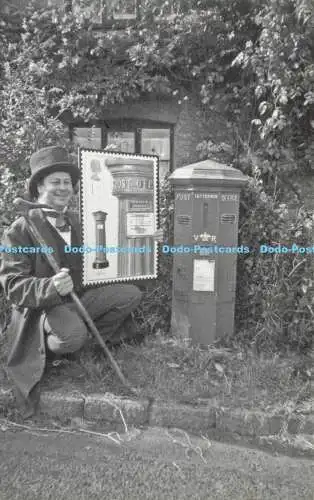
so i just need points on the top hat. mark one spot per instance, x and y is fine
(48, 160)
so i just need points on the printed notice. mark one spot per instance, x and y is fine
(204, 275)
(140, 224)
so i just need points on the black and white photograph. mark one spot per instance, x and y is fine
(156, 249)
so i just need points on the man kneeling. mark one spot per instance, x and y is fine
(44, 317)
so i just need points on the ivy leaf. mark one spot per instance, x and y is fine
(263, 108)
(219, 367)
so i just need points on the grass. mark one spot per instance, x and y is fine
(168, 369)
(3, 357)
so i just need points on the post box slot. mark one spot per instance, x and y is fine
(205, 215)
(227, 218)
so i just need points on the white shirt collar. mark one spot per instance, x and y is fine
(66, 235)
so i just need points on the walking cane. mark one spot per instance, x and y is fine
(23, 206)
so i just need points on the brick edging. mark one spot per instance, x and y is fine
(285, 434)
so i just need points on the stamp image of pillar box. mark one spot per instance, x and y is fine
(133, 185)
(101, 260)
(120, 210)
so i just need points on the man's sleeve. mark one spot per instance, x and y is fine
(17, 278)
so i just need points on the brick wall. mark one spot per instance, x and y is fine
(190, 127)
(189, 132)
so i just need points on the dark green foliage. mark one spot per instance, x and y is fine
(275, 291)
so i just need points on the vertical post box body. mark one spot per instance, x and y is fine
(133, 184)
(101, 260)
(205, 250)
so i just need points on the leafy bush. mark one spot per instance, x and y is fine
(274, 290)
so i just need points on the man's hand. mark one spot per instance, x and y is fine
(63, 282)
(159, 235)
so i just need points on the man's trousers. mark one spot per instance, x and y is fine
(108, 306)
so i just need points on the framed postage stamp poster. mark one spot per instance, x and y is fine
(119, 216)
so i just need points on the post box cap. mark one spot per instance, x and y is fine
(124, 161)
(130, 166)
(208, 172)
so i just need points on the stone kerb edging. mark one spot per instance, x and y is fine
(293, 434)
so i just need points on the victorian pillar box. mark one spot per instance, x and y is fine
(133, 186)
(205, 250)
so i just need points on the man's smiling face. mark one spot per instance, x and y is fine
(56, 190)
